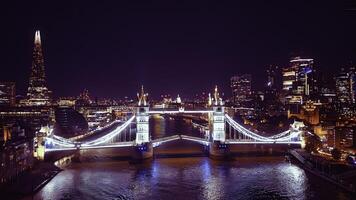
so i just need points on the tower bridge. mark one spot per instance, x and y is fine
(217, 140)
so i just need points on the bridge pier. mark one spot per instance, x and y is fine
(219, 151)
(142, 152)
(77, 156)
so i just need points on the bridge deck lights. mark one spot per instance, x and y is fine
(292, 136)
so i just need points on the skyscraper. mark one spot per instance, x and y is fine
(343, 87)
(271, 87)
(326, 88)
(271, 76)
(298, 80)
(38, 93)
(241, 88)
(289, 76)
(353, 84)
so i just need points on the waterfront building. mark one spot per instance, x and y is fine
(34, 116)
(166, 99)
(66, 101)
(96, 115)
(84, 98)
(15, 158)
(69, 122)
(309, 113)
(200, 100)
(7, 94)
(38, 93)
(16, 151)
(39, 142)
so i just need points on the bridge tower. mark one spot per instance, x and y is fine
(143, 148)
(218, 148)
(298, 127)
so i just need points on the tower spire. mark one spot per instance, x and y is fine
(142, 97)
(216, 95)
(217, 99)
(37, 37)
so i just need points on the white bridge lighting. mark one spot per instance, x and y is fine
(292, 136)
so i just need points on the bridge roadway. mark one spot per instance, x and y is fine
(112, 145)
(179, 111)
(160, 141)
(172, 149)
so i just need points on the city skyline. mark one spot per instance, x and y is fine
(169, 52)
(144, 100)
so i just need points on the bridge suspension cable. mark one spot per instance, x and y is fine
(64, 143)
(110, 135)
(281, 137)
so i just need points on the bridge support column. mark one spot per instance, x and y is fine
(76, 157)
(143, 149)
(219, 151)
(217, 148)
(142, 152)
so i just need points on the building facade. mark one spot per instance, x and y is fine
(7, 94)
(241, 88)
(299, 83)
(16, 151)
(343, 88)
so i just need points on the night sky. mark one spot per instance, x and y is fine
(177, 48)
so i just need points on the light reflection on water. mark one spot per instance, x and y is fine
(187, 178)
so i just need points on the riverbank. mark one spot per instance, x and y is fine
(29, 182)
(325, 169)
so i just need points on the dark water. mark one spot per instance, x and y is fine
(188, 178)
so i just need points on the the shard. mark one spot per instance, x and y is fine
(38, 93)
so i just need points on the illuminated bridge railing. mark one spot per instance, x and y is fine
(292, 136)
(113, 145)
(95, 131)
(160, 141)
(234, 141)
(110, 135)
(180, 111)
(285, 137)
(56, 143)
(196, 139)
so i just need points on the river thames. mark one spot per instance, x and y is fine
(264, 177)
